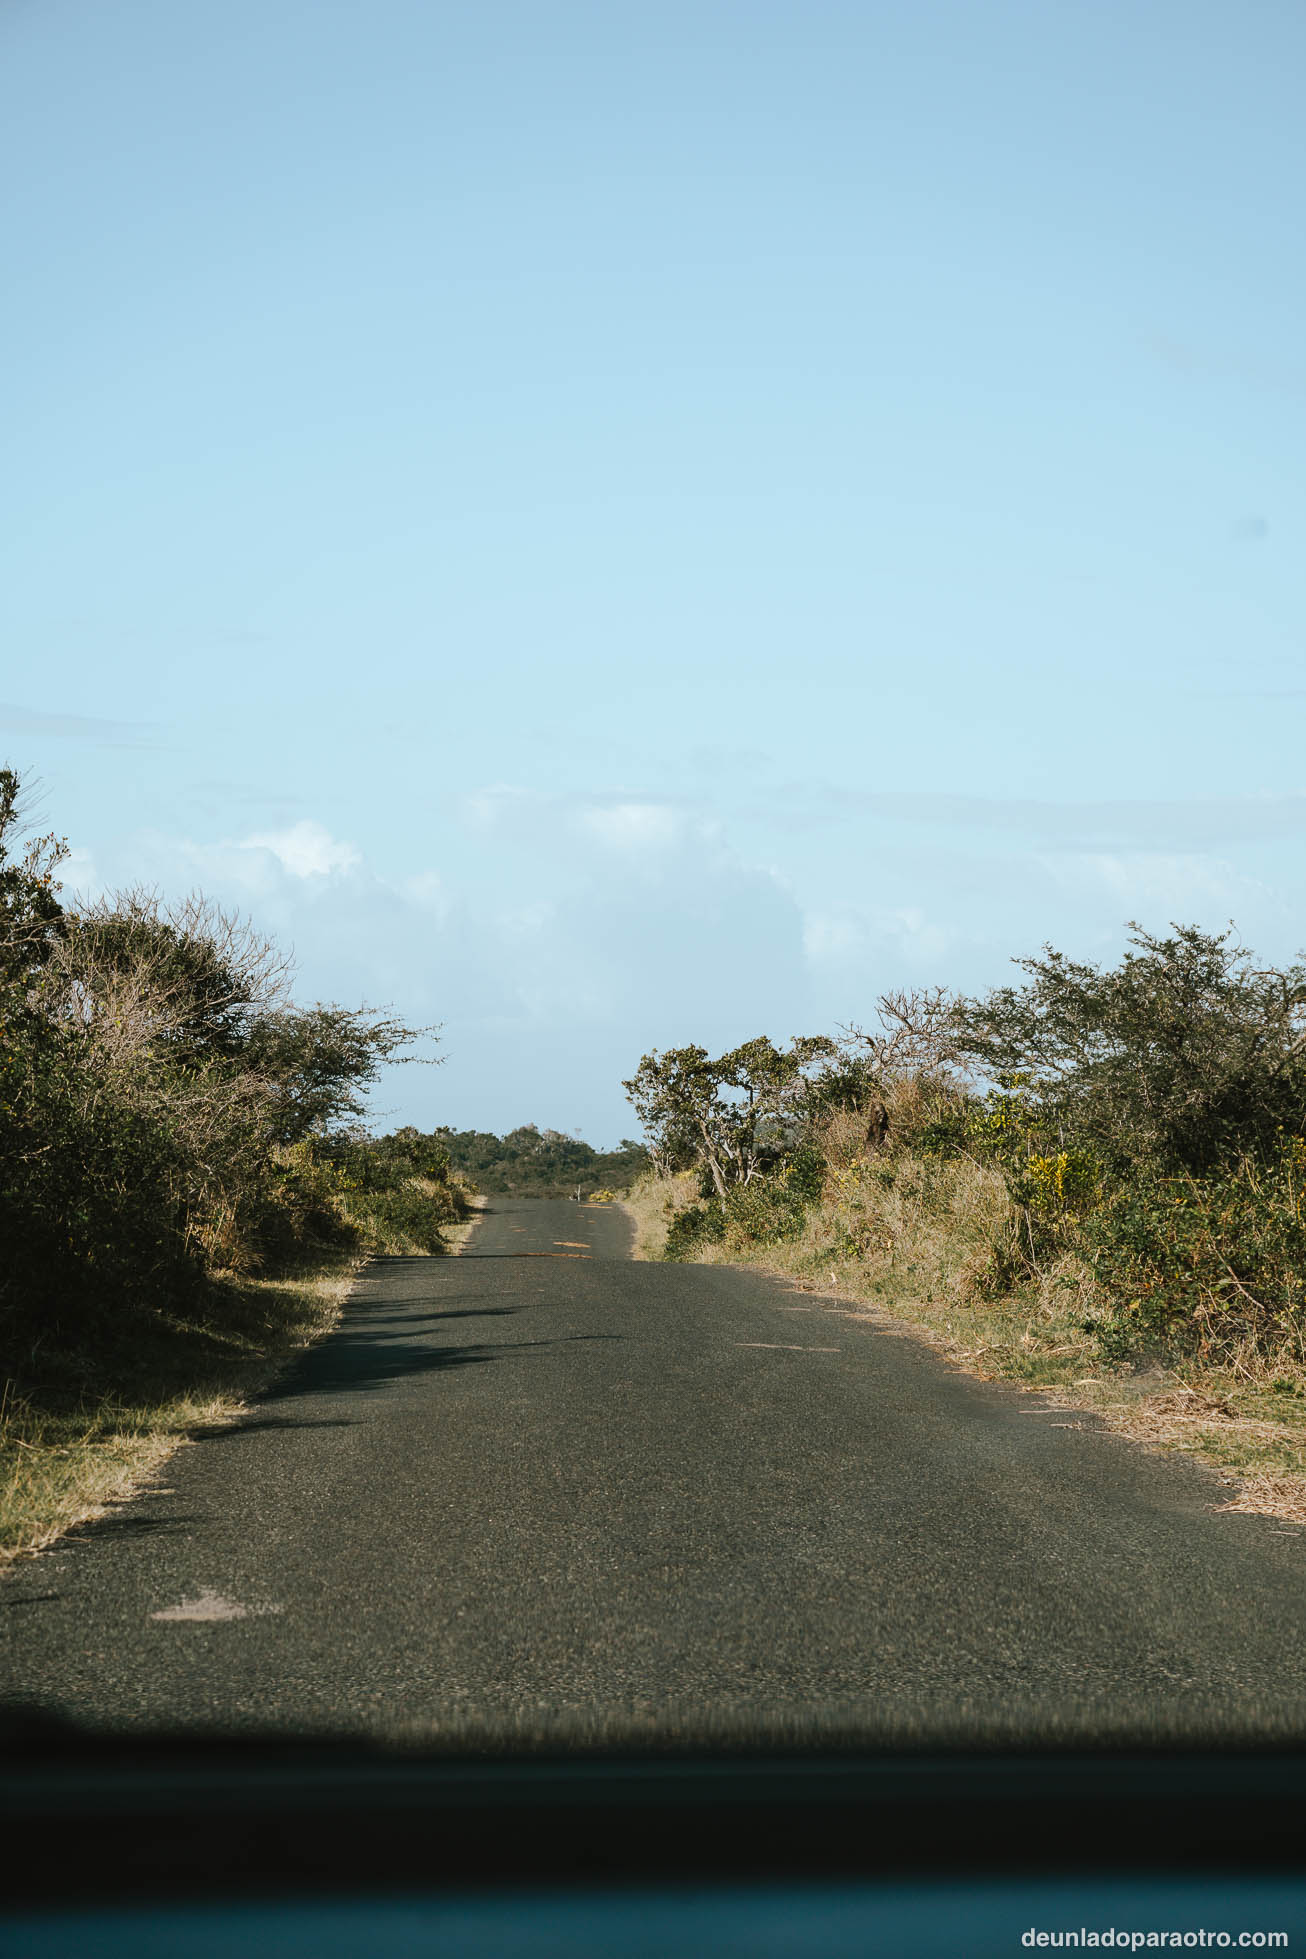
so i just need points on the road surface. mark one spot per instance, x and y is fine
(541, 1489)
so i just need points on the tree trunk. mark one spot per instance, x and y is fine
(710, 1158)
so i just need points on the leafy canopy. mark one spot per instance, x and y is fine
(725, 1115)
(1187, 1052)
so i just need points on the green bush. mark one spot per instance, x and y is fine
(1215, 1265)
(1148, 1118)
(165, 1115)
(805, 1173)
(1188, 1054)
(766, 1208)
(299, 1207)
(404, 1219)
(774, 1207)
(697, 1224)
(398, 1190)
(92, 1230)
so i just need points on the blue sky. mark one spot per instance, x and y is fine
(610, 525)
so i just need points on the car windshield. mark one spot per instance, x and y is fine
(652, 1029)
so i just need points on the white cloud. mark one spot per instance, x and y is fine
(874, 948)
(1180, 827)
(428, 891)
(917, 935)
(307, 849)
(525, 922)
(1139, 879)
(486, 809)
(633, 826)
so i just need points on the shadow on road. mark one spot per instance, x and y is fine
(412, 1320)
(351, 1361)
(358, 1362)
(129, 1522)
(481, 1313)
(229, 1431)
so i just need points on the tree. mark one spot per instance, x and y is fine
(535, 1162)
(1187, 1052)
(727, 1115)
(31, 917)
(315, 1063)
(182, 982)
(917, 1035)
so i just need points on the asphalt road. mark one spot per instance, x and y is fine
(543, 1490)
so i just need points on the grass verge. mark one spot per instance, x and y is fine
(907, 1243)
(70, 1449)
(456, 1235)
(78, 1443)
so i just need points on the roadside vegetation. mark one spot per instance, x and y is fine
(186, 1184)
(1090, 1182)
(531, 1162)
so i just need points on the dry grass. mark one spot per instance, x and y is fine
(908, 1241)
(456, 1235)
(72, 1446)
(650, 1204)
(67, 1454)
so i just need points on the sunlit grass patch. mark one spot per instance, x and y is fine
(456, 1235)
(72, 1444)
(59, 1469)
(650, 1204)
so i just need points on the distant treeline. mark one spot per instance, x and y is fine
(531, 1162)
